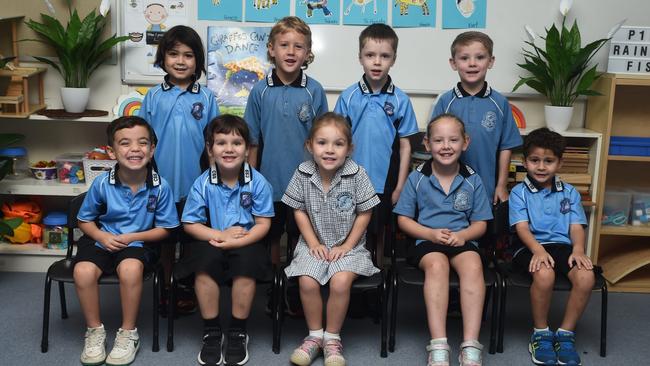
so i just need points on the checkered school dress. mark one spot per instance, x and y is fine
(332, 215)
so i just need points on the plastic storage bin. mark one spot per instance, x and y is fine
(70, 168)
(640, 214)
(19, 165)
(616, 209)
(55, 234)
(94, 167)
(632, 146)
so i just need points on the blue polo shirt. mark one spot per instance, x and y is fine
(227, 207)
(120, 211)
(489, 124)
(280, 117)
(179, 117)
(377, 118)
(424, 199)
(550, 212)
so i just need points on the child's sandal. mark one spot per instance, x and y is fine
(470, 353)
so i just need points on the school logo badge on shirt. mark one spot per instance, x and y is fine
(461, 201)
(197, 110)
(246, 200)
(489, 121)
(389, 108)
(565, 206)
(304, 113)
(151, 203)
(344, 201)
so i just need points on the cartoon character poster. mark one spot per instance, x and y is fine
(319, 11)
(220, 10)
(364, 12)
(266, 11)
(459, 14)
(414, 13)
(145, 22)
(236, 61)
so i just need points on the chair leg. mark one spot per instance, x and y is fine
(502, 314)
(64, 307)
(275, 311)
(603, 320)
(46, 314)
(495, 292)
(170, 313)
(488, 297)
(393, 314)
(279, 313)
(383, 295)
(156, 315)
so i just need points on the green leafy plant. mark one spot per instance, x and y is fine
(78, 46)
(561, 70)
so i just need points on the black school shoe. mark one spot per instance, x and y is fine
(211, 354)
(237, 348)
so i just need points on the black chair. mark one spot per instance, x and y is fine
(62, 272)
(378, 282)
(513, 278)
(173, 284)
(405, 274)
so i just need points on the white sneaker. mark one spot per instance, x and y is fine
(438, 353)
(470, 354)
(94, 352)
(127, 343)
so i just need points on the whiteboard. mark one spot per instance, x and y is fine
(422, 65)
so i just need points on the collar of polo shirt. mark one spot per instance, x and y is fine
(535, 187)
(426, 169)
(272, 79)
(245, 174)
(152, 180)
(388, 88)
(193, 88)
(483, 93)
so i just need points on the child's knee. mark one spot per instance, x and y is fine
(203, 280)
(544, 277)
(583, 279)
(340, 285)
(130, 269)
(85, 272)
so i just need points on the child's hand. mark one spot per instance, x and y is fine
(394, 197)
(337, 253)
(440, 236)
(319, 252)
(500, 195)
(112, 243)
(233, 232)
(124, 238)
(455, 240)
(541, 258)
(581, 260)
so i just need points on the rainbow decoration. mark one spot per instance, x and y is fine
(518, 116)
(129, 104)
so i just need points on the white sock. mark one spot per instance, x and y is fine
(316, 333)
(564, 330)
(541, 330)
(438, 340)
(329, 336)
(101, 326)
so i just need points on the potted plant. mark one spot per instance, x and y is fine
(79, 49)
(560, 69)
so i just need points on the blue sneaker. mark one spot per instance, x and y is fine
(541, 348)
(566, 349)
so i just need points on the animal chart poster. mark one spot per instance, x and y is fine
(319, 11)
(236, 61)
(266, 11)
(414, 13)
(220, 10)
(145, 22)
(461, 14)
(364, 12)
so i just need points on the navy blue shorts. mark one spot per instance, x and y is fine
(559, 252)
(417, 252)
(107, 261)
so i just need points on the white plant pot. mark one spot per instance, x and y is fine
(558, 118)
(75, 100)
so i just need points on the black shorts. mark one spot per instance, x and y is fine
(282, 222)
(417, 252)
(222, 265)
(107, 261)
(559, 252)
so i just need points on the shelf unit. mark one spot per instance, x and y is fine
(622, 110)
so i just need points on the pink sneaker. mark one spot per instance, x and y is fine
(308, 351)
(333, 353)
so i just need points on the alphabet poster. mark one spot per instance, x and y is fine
(220, 10)
(236, 61)
(414, 13)
(364, 12)
(319, 11)
(459, 14)
(266, 11)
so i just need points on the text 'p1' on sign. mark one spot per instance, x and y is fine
(629, 51)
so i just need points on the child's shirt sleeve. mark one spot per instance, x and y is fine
(145, 107)
(253, 113)
(366, 198)
(94, 203)
(294, 196)
(577, 215)
(510, 136)
(409, 124)
(320, 98)
(213, 108)
(407, 204)
(438, 107)
(517, 210)
(481, 208)
(341, 106)
(196, 203)
(166, 215)
(262, 197)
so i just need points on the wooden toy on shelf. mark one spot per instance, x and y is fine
(17, 100)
